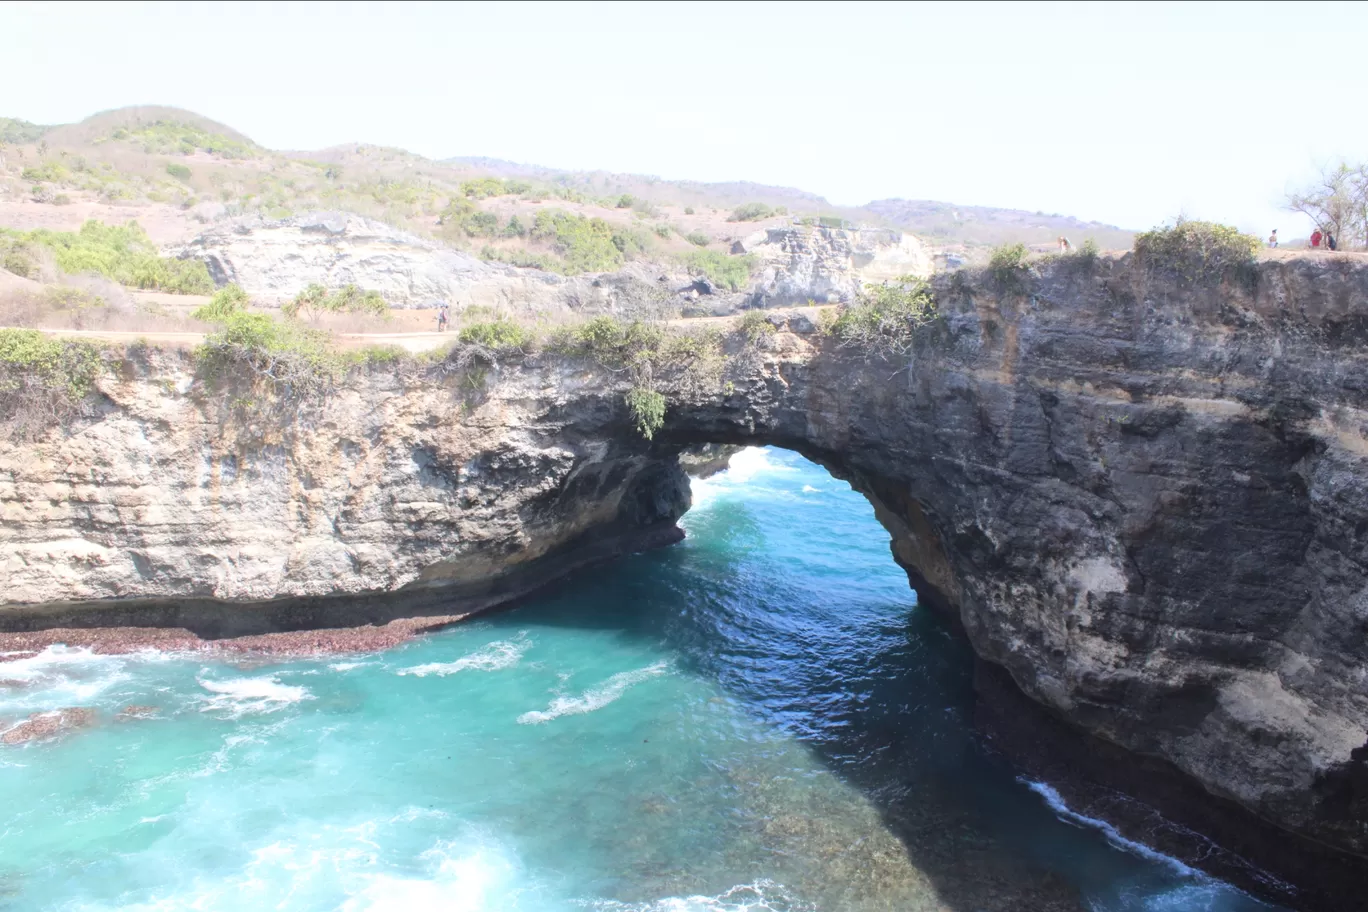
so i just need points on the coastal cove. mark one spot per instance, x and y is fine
(1135, 496)
(758, 718)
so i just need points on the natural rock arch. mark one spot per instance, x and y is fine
(1142, 500)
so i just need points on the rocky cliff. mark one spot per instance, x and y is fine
(805, 264)
(1142, 497)
(274, 261)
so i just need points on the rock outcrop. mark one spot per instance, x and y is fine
(274, 261)
(1144, 500)
(814, 264)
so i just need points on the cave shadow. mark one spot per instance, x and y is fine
(885, 702)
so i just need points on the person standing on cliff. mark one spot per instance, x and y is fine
(1273, 238)
(1064, 245)
(1330, 241)
(443, 316)
(1316, 238)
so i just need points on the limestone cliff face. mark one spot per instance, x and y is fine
(1145, 501)
(804, 264)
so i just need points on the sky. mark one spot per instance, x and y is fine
(1129, 114)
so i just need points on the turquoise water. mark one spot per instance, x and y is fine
(757, 719)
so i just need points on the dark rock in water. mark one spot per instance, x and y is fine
(136, 711)
(707, 459)
(49, 724)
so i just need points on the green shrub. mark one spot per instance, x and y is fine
(730, 272)
(61, 199)
(626, 201)
(43, 380)
(1007, 266)
(698, 239)
(1196, 252)
(755, 324)
(495, 334)
(13, 130)
(616, 344)
(18, 259)
(832, 221)
(65, 297)
(688, 210)
(584, 244)
(316, 300)
(48, 172)
(227, 300)
(179, 172)
(382, 354)
(631, 242)
(663, 231)
(648, 410)
(482, 188)
(462, 217)
(288, 359)
(514, 228)
(123, 253)
(750, 212)
(172, 136)
(885, 318)
(525, 259)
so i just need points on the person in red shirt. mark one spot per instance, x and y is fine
(1316, 238)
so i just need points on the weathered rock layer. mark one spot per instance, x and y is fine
(1143, 499)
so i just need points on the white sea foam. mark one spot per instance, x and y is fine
(1109, 832)
(347, 666)
(760, 896)
(468, 882)
(745, 467)
(494, 656)
(305, 865)
(594, 698)
(242, 696)
(809, 489)
(60, 676)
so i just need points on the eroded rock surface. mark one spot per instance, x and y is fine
(1144, 500)
(44, 725)
(274, 261)
(801, 264)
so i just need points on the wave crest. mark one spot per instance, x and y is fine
(495, 656)
(594, 698)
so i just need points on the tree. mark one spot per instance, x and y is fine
(1338, 202)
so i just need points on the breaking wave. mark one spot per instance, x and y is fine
(594, 698)
(493, 657)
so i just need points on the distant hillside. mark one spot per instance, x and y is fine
(20, 131)
(988, 226)
(716, 194)
(176, 172)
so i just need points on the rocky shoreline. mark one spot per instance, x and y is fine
(287, 644)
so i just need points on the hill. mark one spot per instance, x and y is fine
(989, 226)
(177, 172)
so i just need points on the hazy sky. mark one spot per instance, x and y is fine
(1125, 113)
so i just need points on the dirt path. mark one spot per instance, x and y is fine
(409, 341)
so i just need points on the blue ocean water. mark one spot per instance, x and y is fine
(760, 718)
